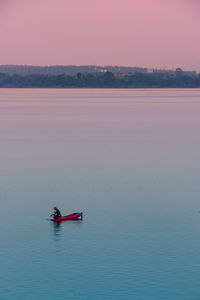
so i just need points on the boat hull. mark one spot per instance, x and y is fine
(71, 217)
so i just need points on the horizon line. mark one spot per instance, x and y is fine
(101, 66)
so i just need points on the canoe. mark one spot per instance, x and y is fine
(74, 216)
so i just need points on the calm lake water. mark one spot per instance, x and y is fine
(130, 160)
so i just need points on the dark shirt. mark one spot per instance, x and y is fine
(57, 212)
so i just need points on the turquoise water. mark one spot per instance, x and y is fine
(130, 160)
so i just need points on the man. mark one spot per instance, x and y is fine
(57, 213)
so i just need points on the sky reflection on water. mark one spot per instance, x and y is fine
(130, 160)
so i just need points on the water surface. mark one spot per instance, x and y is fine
(130, 160)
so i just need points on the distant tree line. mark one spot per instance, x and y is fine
(67, 69)
(100, 80)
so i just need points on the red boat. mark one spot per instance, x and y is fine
(74, 216)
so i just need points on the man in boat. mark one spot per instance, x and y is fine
(56, 213)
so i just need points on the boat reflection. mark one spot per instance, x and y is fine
(58, 226)
(57, 230)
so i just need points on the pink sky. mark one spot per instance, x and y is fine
(152, 33)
